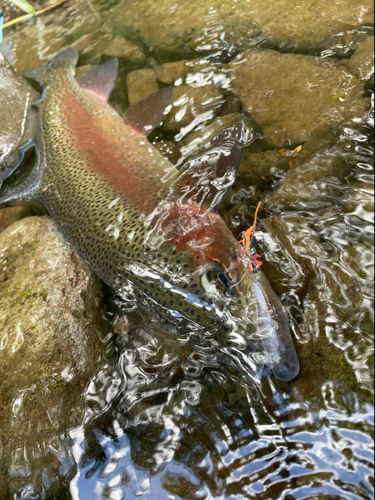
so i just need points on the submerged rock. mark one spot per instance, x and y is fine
(362, 61)
(209, 26)
(119, 47)
(36, 42)
(141, 84)
(333, 312)
(192, 106)
(315, 177)
(262, 168)
(311, 185)
(31, 47)
(171, 72)
(15, 117)
(93, 46)
(337, 329)
(10, 215)
(299, 248)
(296, 98)
(50, 326)
(325, 25)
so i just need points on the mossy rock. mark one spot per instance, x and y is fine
(50, 322)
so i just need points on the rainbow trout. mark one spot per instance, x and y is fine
(150, 230)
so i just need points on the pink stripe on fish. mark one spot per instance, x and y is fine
(102, 156)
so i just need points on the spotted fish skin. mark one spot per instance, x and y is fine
(95, 177)
(102, 182)
(137, 221)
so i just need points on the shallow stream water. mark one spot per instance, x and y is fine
(160, 419)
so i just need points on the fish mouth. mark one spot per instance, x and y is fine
(288, 370)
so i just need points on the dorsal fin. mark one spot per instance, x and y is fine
(147, 114)
(208, 174)
(101, 80)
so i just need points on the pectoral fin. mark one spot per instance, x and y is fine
(207, 176)
(23, 184)
(101, 80)
(25, 189)
(147, 114)
(13, 161)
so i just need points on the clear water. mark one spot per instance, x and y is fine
(164, 421)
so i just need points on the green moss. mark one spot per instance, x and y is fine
(26, 296)
(28, 247)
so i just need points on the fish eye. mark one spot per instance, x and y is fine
(216, 282)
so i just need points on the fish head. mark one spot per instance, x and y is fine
(232, 310)
(212, 279)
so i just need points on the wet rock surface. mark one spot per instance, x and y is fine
(362, 61)
(192, 106)
(291, 25)
(15, 116)
(141, 84)
(296, 98)
(50, 346)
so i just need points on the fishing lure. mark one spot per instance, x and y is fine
(272, 321)
(248, 241)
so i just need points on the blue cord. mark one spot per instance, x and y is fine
(1, 23)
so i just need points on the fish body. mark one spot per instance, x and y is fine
(146, 228)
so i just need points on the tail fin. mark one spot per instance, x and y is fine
(67, 59)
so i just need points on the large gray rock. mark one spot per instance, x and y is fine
(296, 98)
(214, 25)
(50, 347)
(15, 126)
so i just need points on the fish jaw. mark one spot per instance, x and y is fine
(209, 250)
(246, 322)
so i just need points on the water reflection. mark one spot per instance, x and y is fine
(177, 434)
